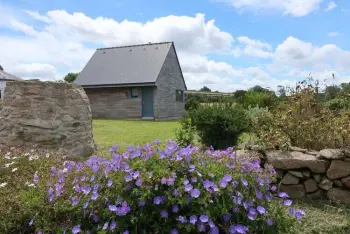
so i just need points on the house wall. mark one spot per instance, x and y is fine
(169, 80)
(114, 103)
(2, 88)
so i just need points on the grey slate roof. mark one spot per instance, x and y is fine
(6, 76)
(137, 64)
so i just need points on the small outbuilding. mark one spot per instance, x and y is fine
(135, 82)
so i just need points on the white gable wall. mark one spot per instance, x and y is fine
(2, 88)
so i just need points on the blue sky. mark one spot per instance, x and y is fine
(223, 44)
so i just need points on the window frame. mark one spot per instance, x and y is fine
(181, 96)
(131, 92)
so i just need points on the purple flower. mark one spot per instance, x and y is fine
(222, 183)
(259, 194)
(201, 227)
(105, 226)
(164, 214)
(112, 208)
(53, 171)
(36, 178)
(226, 217)
(138, 182)
(210, 186)
(136, 174)
(75, 201)
(269, 222)
(128, 178)
(299, 214)
(175, 208)
(244, 182)
(163, 180)
(158, 200)
(94, 196)
(141, 203)
(113, 149)
(204, 218)
(214, 230)
(176, 192)
(188, 187)
(194, 179)
(113, 225)
(195, 193)
(123, 210)
(192, 168)
(234, 184)
(287, 202)
(227, 178)
(283, 195)
(261, 210)
(193, 219)
(241, 229)
(186, 182)
(86, 204)
(93, 177)
(109, 183)
(171, 181)
(39, 232)
(251, 216)
(86, 190)
(156, 141)
(76, 229)
(182, 219)
(174, 231)
(31, 222)
(126, 232)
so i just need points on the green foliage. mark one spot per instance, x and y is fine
(239, 96)
(71, 77)
(261, 99)
(185, 135)
(304, 121)
(220, 125)
(192, 103)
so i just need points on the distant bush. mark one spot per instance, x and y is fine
(261, 99)
(192, 103)
(304, 121)
(185, 135)
(151, 189)
(220, 124)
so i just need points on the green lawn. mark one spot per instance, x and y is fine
(321, 216)
(125, 133)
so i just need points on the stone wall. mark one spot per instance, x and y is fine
(114, 103)
(301, 173)
(49, 115)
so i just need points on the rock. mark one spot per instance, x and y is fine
(332, 154)
(286, 160)
(346, 152)
(294, 191)
(296, 173)
(310, 185)
(248, 155)
(294, 148)
(306, 174)
(290, 179)
(347, 160)
(319, 194)
(256, 147)
(53, 116)
(339, 195)
(315, 153)
(346, 181)
(317, 177)
(279, 174)
(338, 169)
(337, 183)
(325, 184)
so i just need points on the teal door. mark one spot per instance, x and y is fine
(147, 102)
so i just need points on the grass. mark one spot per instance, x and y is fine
(321, 216)
(125, 133)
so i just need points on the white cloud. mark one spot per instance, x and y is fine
(295, 8)
(34, 70)
(334, 34)
(252, 48)
(331, 6)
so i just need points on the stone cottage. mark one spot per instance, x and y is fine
(135, 82)
(5, 77)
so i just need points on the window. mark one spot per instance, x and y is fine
(179, 95)
(134, 92)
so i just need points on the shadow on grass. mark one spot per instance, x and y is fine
(323, 217)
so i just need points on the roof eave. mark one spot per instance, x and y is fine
(118, 85)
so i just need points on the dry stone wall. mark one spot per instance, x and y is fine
(301, 173)
(48, 115)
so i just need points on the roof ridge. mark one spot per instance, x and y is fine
(115, 47)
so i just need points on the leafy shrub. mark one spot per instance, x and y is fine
(338, 104)
(173, 190)
(220, 125)
(261, 99)
(20, 197)
(185, 135)
(192, 103)
(304, 121)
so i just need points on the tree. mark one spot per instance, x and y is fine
(239, 96)
(205, 89)
(331, 92)
(70, 77)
